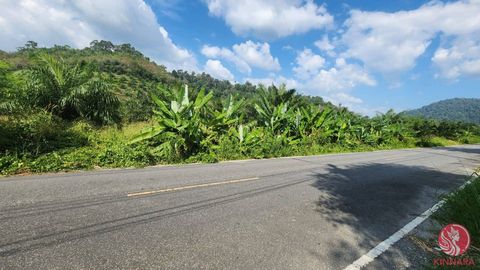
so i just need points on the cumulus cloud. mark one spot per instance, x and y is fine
(217, 70)
(339, 78)
(325, 45)
(257, 55)
(386, 42)
(245, 56)
(76, 23)
(308, 64)
(391, 42)
(462, 57)
(272, 79)
(269, 19)
(334, 83)
(346, 100)
(227, 54)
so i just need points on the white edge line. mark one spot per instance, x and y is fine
(387, 243)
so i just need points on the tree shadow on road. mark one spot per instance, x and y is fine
(463, 149)
(450, 152)
(375, 200)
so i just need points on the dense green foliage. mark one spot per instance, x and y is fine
(456, 109)
(109, 106)
(181, 124)
(130, 75)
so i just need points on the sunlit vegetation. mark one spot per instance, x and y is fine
(109, 106)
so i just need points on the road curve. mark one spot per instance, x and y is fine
(317, 212)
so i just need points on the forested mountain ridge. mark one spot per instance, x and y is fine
(456, 109)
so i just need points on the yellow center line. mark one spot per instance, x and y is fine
(190, 187)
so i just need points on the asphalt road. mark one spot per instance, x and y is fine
(318, 212)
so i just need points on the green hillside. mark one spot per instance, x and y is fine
(108, 106)
(457, 109)
(130, 75)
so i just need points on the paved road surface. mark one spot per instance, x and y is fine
(319, 212)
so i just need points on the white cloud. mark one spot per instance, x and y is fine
(392, 42)
(308, 64)
(275, 80)
(369, 110)
(386, 42)
(342, 77)
(461, 58)
(227, 54)
(257, 55)
(217, 70)
(334, 84)
(346, 100)
(270, 19)
(245, 56)
(76, 23)
(342, 98)
(325, 45)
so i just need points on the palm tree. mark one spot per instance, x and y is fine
(55, 86)
(70, 92)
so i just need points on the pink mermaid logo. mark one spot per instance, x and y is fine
(454, 239)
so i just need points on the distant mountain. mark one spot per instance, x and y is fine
(456, 109)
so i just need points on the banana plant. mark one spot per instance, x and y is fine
(228, 116)
(338, 126)
(274, 118)
(274, 110)
(248, 137)
(277, 95)
(309, 119)
(180, 126)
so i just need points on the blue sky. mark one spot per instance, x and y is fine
(367, 55)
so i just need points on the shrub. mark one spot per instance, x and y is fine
(37, 133)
